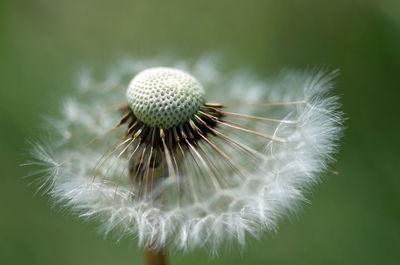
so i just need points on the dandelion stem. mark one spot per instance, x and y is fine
(155, 257)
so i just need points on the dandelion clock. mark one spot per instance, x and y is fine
(184, 156)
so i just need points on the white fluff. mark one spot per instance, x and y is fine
(253, 203)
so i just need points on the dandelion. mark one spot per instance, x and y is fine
(157, 159)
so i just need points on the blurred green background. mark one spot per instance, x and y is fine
(354, 217)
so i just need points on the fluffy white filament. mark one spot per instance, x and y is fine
(87, 176)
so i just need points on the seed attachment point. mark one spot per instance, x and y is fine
(164, 97)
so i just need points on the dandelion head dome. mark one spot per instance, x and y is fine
(164, 97)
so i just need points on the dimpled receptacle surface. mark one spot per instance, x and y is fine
(164, 97)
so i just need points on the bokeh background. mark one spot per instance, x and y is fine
(354, 217)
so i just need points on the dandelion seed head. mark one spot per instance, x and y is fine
(164, 97)
(201, 176)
